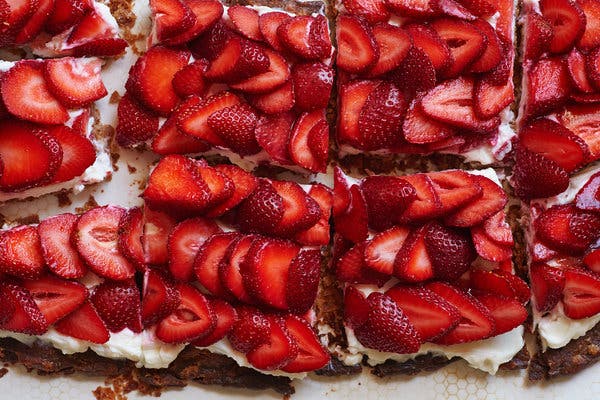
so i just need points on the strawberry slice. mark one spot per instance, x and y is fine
(59, 254)
(353, 224)
(95, 236)
(356, 307)
(490, 282)
(412, 262)
(26, 316)
(548, 86)
(318, 234)
(207, 13)
(243, 183)
(272, 134)
(412, 8)
(454, 189)
(250, 331)
(235, 126)
(306, 36)
(351, 268)
(268, 24)
(576, 64)
(84, 323)
(55, 297)
(278, 74)
(450, 251)
(430, 314)
(487, 248)
(426, 205)
(209, 257)
(481, 8)
(262, 210)
(311, 355)
(245, 21)
(582, 121)
(78, 153)
(555, 142)
(497, 229)
(226, 317)
(507, 313)
(493, 53)
(303, 281)
(393, 44)
(194, 318)
(452, 8)
(26, 94)
(131, 232)
(219, 185)
(592, 65)
(150, 78)
(94, 36)
(118, 304)
(373, 11)
(586, 198)
(547, 284)
(280, 350)
(305, 151)
(476, 321)
(490, 99)
(387, 327)
(536, 176)
(65, 14)
(565, 228)
(341, 192)
(428, 40)
(518, 285)
(590, 38)
(171, 17)
(416, 73)
(191, 79)
(280, 100)
(75, 82)
(357, 48)
(21, 253)
(229, 268)
(580, 294)
(266, 269)
(352, 98)
(567, 20)
(466, 43)
(492, 200)
(157, 226)
(386, 197)
(239, 59)
(452, 102)
(380, 252)
(171, 140)
(160, 297)
(418, 128)
(538, 35)
(135, 123)
(184, 241)
(312, 83)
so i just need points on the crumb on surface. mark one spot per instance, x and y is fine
(89, 204)
(63, 198)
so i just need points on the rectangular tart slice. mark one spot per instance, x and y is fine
(425, 77)
(425, 262)
(251, 83)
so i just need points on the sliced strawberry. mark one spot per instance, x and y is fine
(538, 35)
(75, 82)
(78, 153)
(582, 121)
(265, 271)
(341, 192)
(94, 36)
(280, 350)
(564, 228)
(452, 102)
(301, 151)
(280, 100)
(493, 53)
(219, 185)
(84, 323)
(318, 234)
(244, 184)
(380, 252)
(318, 143)
(465, 41)
(136, 124)
(590, 38)
(380, 119)
(191, 79)
(351, 268)
(250, 331)
(490, 100)
(386, 197)
(491, 201)
(60, 255)
(131, 231)
(235, 126)
(497, 229)
(356, 307)
(26, 316)
(312, 83)
(586, 198)
(430, 314)
(207, 13)
(245, 21)
(518, 285)
(481, 8)
(507, 313)
(414, 8)
(592, 64)
(548, 86)
(229, 268)
(157, 226)
(536, 176)
(171, 140)
(416, 73)
(210, 255)
(576, 63)
(226, 317)
(303, 280)
(193, 319)
(428, 40)
(21, 253)
(65, 14)
(306, 36)
(387, 327)
(239, 59)
(262, 210)
(455, 189)
(393, 44)
(95, 236)
(489, 282)
(311, 355)
(118, 304)
(413, 263)
(26, 94)
(502, 73)
(352, 98)
(272, 133)
(174, 186)
(427, 203)
(268, 24)
(592, 259)
(278, 74)
(418, 128)
(476, 321)
(171, 17)
(452, 8)
(160, 297)
(55, 297)
(580, 294)
(567, 20)
(353, 224)
(450, 251)
(487, 248)
(357, 49)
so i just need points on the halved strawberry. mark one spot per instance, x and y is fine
(131, 232)
(95, 236)
(491, 201)
(487, 248)
(538, 35)
(306, 149)
(493, 53)
(353, 224)
(229, 268)
(78, 153)
(580, 294)
(160, 297)
(416, 73)
(428, 40)
(26, 94)
(319, 233)
(393, 44)
(311, 355)
(497, 229)
(226, 316)
(278, 74)
(157, 226)
(75, 82)
(507, 313)
(565, 228)
(373, 11)
(171, 140)
(268, 23)
(60, 255)
(536, 176)
(239, 59)
(265, 271)
(55, 297)
(21, 253)
(26, 316)
(450, 251)
(576, 64)
(191, 79)
(207, 13)
(455, 189)
(590, 38)
(490, 99)
(118, 304)
(65, 14)
(306, 36)
(235, 126)
(171, 17)
(352, 98)
(250, 330)
(208, 259)
(357, 49)
(413, 263)
(476, 321)
(280, 350)
(387, 327)
(427, 203)
(312, 83)
(135, 123)
(194, 318)
(380, 252)
(280, 100)
(418, 128)
(586, 198)
(430, 314)
(245, 21)
(303, 280)
(567, 20)
(548, 86)
(582, 120)
(351, 267)
(386, 197)
(94, 36)
(272, 134)
(465, 41)
(84, 323)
